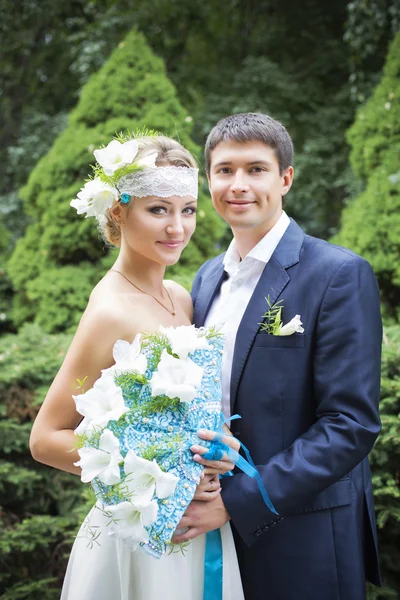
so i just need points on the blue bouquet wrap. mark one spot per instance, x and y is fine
(157, 428)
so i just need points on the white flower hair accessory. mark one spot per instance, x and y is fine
(116, 155)
(118, 177)
(95, 198)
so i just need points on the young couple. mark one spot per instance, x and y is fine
(308, 400)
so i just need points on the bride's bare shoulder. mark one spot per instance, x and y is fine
(181, 295)
(106, 309)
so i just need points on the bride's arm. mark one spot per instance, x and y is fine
(52, 437)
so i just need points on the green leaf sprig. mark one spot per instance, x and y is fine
(272, 319)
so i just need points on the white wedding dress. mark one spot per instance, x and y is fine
(105, 569)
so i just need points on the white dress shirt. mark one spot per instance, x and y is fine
(230, 304)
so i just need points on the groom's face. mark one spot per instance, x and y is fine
(246, 186)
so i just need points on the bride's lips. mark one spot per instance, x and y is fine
(171, 244)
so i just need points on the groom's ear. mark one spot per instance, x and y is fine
(209, 183)
(287, 180)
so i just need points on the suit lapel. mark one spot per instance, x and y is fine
(208, 291)
(272, 282)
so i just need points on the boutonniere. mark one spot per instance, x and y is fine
(272, 321)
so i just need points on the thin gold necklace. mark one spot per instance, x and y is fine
(171, 312)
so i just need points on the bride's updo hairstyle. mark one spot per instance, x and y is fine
(169, 153)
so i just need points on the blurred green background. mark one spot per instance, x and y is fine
(74, 73)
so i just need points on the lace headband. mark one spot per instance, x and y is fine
(119, 177)
(159, 181)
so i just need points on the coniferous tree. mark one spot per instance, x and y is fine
(371, 222)
(371, 227)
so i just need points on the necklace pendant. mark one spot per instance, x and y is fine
(173, 314)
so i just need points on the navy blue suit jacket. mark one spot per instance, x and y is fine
(309, 408)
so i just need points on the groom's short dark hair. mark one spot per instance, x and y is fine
(252, 127)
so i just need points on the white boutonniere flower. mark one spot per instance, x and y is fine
(129, 519)
(95, 198)
(102, 462)
(272, 321)
(184, 339)
(116, 155)
(176, 378)
(101, 404)
(144, 478)
(128, 358)
(294, 326)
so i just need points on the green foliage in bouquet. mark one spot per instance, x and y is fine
(61, 255)
(37, 518)
(371, 223)
(385, 463)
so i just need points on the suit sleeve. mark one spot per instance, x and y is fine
(346, 374)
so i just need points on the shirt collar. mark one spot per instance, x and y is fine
(262, 251)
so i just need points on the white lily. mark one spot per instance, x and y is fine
(144, 478)
(176, 378)
(184, 339)
(102, 462)
(128, 358)
(147, 161)
(129, 520)
(104, 402)
(294, 326)
(116, 155)
(95, 198)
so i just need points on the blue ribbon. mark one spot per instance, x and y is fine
(216, 452)
(213, 574)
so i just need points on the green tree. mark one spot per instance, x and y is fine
(385, 462)
(60, 257)
(371, 24)
(37, 519)
(49, 50)
(371, 222)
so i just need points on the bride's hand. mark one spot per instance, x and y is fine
(223, 464)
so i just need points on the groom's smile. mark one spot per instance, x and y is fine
(246, 185)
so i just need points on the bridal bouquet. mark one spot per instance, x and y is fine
(140, 420)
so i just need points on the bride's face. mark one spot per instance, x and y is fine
(158, 228)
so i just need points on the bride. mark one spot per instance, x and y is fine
(151, 219)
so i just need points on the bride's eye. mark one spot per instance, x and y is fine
(158, 210)
(190, 210)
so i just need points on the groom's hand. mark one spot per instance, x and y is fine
(201, 517)
(208, 489)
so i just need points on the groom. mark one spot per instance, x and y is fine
(308, 401)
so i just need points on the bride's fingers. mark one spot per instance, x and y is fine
(228, 439)
(200, 450)
(220, 463)
(215, 466)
